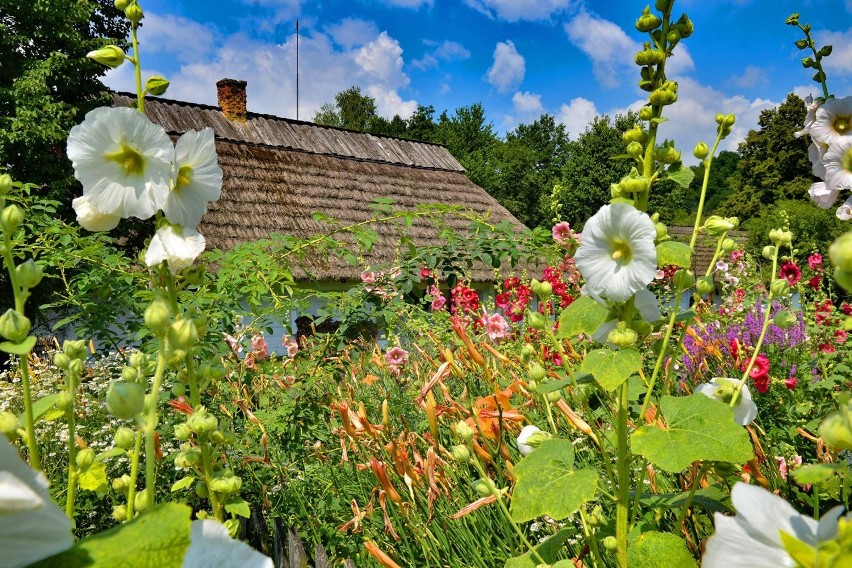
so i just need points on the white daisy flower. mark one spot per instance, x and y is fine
(211, 546)
(833, 121)
(198, 179)
(179, 247)
(722, 389)
(754, 538)
(123, 161)
(617, 256)
(838, 164)
(90, 218)
(822, 195)
(32, 526)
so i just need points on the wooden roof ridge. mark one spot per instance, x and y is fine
(333, 141)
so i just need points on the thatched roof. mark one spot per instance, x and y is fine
(279, 172)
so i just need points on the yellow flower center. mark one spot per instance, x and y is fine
(620, 251)
(184, 177)
(130, 159)
(842, 123)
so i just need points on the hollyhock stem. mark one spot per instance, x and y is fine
(708, 163)
(140, 97)
(134, 474)
(151, 429)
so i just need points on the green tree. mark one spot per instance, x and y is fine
(590, 168)
(47, 84)
(351, 109)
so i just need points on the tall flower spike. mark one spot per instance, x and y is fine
(198, 179)
(617, 256)
(123, 161)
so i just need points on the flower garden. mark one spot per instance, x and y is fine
(602, 405)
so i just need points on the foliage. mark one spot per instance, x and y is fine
(813, 227)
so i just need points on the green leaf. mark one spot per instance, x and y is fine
(698, 428)
(712, 499)
(111, 453)
(183, 483)
(94, 478)
(21, 348)
(547, 484)
(40, 407)
(238, 506)
(611, 368)
(548, 550)
(584, 315)
(659, 550)
(156, 539)
(673, 252)
(681, 175)
(816, 472)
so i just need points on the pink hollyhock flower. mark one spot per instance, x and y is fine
(660, 275)
(233, 343)
(737, 255)
(790, 272)
(259, 347)
(827, 348)
(291, 344)
(815, 261)
(249, 361)
(396, 356)
(847, 309)
(368, 277)
(503, 300)
(840, 336)
(782, 466)
(426, 273)
(791, 383)
(561, 232)
(496, 326)
(438, 299)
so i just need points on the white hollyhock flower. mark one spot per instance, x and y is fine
(822, 196)
(838, 164)
(833, 121)
(197, 181)
(32, 526)
(179, 247)
(844, 212)
(815, 154)
(722, 389)
(810, 117)
(617, 256)
(123, 161)
(530, 438)
(753, 538)
(211, 546)
(90, 218)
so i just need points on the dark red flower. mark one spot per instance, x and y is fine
(790, 272)
(815, 282)
(760, 368)
(827, 347)
(791, 383)
(847, 309)
(511, 283)
(840, 336)
(503, 300)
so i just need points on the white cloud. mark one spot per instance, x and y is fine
(751, 76)
(381, 59)
(508, 69)
(840, 60)
(445, 51)
(181, 37)
(281, 11)
(527, 103)
(576, 115)
(516, 10)
(605, 44)
(352, 32)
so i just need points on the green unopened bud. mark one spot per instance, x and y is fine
(840, 252)
(9, 424)
(649, 57)
(121, 484)
(665, 95)
(553, 396)
(188, 458)
(780, 237)
(201, 421)
(779, 288)
(201, 490)
(705, 285)
(667, 154)
(156, 85)
(75, 348)
(536, 372)
(134, 13)
(715, 225)
(14, 326)
(610, 543)
(537, 320)
(11, 218)
(527, 352)
(139, 360)
(227, 484)
(5, 184)
(76, 367)
(768, 252)
(463, 430)
(158, 316)
(121, 4)
(125, 400)
(119, 513)
(622, 336)
(85, 458)
(484, 487)
(130, 374)
(836, 429)
(663, 6)
(545, 291)
(61, 360)
(140, 503)
(635, 150)
(701, 150)
(635, 135)
(825, 51)
(801, 43)
(793, 20)
(784, 319)
(634, 183)
(648, 22)
(661, 230)
(808, 62)
(646, 113)
(683, 279)
(460, 453)
(64, 400)
(124, 438)
(729, 245)
(182, 432)
(29, 274)
(684, 26)
(178, 389)
(112, 56)
(182, 334)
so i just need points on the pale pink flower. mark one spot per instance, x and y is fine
(234, 343)
(249, 361)
(396, 356)
(496, 326)
(782, 466)
(291, 344)
(561, 232)
(438, 299)
(660, 275)
(259, 347)
(368, 277)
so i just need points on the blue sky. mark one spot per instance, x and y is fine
(519, 58)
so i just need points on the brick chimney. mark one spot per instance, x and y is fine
(232, 99)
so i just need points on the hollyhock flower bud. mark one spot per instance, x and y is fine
(622, 336)
(646, 113)
(635, 135)
(201, 490)
(715, 225)
(667, 154)
(768, 252)
(463, 430)
(537, 320)
(202, 422)
(121, 4)
(9, 424)
(227, 484)
(29, 274)
(530, 438)
(11, 218)
(684, 26)
(648, 22)
(536, 372)
(634, 183)
(460, 453)
(701, 150)
(649, 57)
(784, 319)
(5, 184)
(124, 438)
(75, 367)
(134, 13)
(705, 285)
(729, 245)
(665, 95)
(527, 352)
(85, 458)
(662, 231)
(182, 432)
(779, 288)
(635, 150)
(61, 360)
(188, 458)
(156, 85)
(121, 484)
(125, 400)
(111, 55)
(158, 316)
(14, 326)
(119, 513)
(182, 334)
(64, 401)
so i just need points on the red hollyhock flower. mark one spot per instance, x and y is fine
(790, 272)
(840, 336)
(511, 283)
(847, 309)
(762, 384)
(815, 282)
(791, 383)
(827, 348)
(760, 369)
(503, 301)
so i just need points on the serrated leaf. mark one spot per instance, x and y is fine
(183, 483)
(548, 485)
(681, 175)
(548, 550)
(94, 478)
(611, 368)
(674, 252)
(21, 348)
(697, 428)
(40, 407)
(659, 550)
(157, 539)
(816, 472)
(238, 506)
(584, 315)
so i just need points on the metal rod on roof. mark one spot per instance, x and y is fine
(297, 68)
